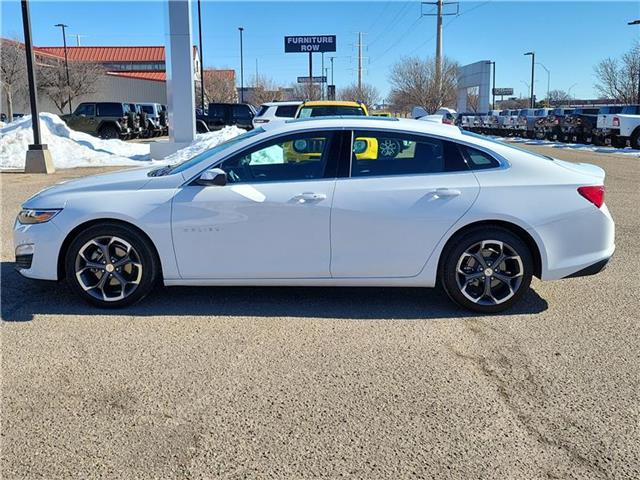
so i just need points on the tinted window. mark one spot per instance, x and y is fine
(240, 111)
(263, 110)
(216, 111)
(329, 111)
(631, 110)
(110, 109)
(288, 111)
(88, 109)
(294, 158)
(477, 159)
(389, 153)
(148, 109)
(591, 111)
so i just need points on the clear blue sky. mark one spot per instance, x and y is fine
(568, 37)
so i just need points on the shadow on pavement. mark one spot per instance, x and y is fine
(22, 299)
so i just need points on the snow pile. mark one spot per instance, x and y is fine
(570, 146)
(71, 149)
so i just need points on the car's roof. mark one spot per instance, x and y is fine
(284, 104)
(331, 103)
(364, 123)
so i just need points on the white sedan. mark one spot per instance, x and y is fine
(317, 202)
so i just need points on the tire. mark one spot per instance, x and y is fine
(469, 289)
(201, 127)
(389, 148)
(618, 142)
(128, 281)
(108, 132)
(635, 139)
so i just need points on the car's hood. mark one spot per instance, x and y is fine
(57, 195)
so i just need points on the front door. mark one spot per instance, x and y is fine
(271, 220)
(404, 193)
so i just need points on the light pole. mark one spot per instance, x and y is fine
(569, 91)
(241, 29)
(201, 65)
(533, 67)
(548, 78)
(636, 22)
(66, 60)
(493, 88)
(38, 159)
(332, 70)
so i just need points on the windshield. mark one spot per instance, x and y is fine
(329, 111)
(190, 162)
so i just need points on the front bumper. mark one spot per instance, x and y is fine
(46, 239)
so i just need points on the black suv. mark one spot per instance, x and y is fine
(220, 115)
(104, 119)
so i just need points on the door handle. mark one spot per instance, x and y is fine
(309, 197)
(445, 193)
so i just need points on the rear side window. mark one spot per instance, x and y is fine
(375, 153)
(477, 159)
(263, 110)
(88, 109)
(110, 109)
(287, 111)
(240, 111)
(148, 109)
(216, 111)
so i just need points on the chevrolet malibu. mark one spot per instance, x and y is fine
(310, 202)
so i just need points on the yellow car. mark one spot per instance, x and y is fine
(364, 148)
(381, 114)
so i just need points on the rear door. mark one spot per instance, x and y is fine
(393, 209)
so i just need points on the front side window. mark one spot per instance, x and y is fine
(88, 109)
(294, 158)
(377, 153)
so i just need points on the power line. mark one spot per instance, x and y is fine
(389, 27)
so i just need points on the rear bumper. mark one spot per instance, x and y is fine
(592, 269)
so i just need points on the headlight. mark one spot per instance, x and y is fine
(30, 216)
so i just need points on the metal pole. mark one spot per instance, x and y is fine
(636, 22)
(332, 70)
(66, 60)
(241, 68)
(439, 51)
(310, 76)
(201, 65)
(493, 89)
(33, 89)
(322, 81)
(533, 67)
(359, 62)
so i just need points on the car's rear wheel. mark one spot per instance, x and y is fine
(108, 132)
(487, 269)
(111, 265)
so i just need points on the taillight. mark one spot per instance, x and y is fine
(448, 121)
(616, 122)
(595, 194)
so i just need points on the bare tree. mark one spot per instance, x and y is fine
(514, 103)
(13, 75)
(558, 97)
(305, 91)
(617, 79)
(368, 94)
(219, 87)
(83, 80)
(473, 99)
(266, 90)
(413, 83)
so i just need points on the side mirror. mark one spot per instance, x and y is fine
(213, 177)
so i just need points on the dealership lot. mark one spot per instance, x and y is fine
(326, 383)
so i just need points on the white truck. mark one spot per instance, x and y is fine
(618, 127)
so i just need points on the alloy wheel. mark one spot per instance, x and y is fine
(489, 272)
(388, 148)
(108, 268)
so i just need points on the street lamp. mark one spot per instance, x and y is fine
(548, 78)
(493, 89)
(636, 22)
(66, 60)
(241, 29)
(533, 67)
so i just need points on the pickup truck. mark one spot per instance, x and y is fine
(527, 120)
(550, 127)
(625, 126)
(578, 126)
(603, 134)
(220, 115)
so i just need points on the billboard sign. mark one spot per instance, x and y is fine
(503, 91)
(313, 79)
(310, 44)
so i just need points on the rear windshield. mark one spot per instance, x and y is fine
(631, 110)
(147, 109)
(330, 111)
(286, 111)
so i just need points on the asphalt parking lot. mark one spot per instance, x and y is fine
(317, 383)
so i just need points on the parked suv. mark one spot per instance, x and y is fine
(103, 119)
(220, 115)
(153, 113)
(274, 111)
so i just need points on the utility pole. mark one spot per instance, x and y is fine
(359, 61)
(78, 36)
(66, 60)
(636, 22)
(241, 29)
(201, 65)
(548, 78)
(332, 70)
(256, 82)
(321, 80)
(439, 51)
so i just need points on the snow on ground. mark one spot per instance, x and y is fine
(71, 149)
(572, 146)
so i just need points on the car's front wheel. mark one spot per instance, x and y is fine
(487, 269)
(111, 265)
